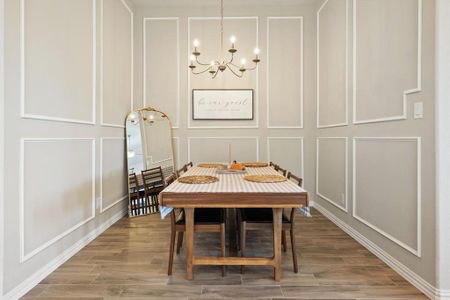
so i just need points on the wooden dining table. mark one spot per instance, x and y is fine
(233, 191)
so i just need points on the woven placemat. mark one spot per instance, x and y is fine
(198, 179)
(265, 178)
(211, 165)
(255, 164)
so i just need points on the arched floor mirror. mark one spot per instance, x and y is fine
(150, 158)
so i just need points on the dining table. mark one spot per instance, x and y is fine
(232, 191)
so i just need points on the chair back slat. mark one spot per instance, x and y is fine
(296, 179)
(152, 178)
(182, 171)
(280, 170)
(170, 179)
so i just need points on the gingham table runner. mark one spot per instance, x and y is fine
(233, 183)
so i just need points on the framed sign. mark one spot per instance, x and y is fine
(222, 104)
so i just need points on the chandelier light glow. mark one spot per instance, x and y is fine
(221, 64)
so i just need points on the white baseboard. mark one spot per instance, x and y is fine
(38, 276)
(424, 286)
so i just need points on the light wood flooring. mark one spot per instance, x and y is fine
(129, 261)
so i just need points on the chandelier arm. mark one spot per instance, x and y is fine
(200, 72)
(234, 72)
(253, 68)
(231, 59)
(215, 74)
(234, 65)
(199, 62)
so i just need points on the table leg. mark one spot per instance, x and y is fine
(189, 214)
(277, 228)
(232, 230)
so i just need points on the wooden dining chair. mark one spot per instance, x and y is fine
(280, 170)
(181, 171)
(205, 220)
(190, 164)
(252, 219)
(137, 195)
(153, 181)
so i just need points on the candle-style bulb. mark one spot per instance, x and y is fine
(243, 61)
(256, 51)
(196, 43)
(192, 58)
(232, 39)
(212, 63)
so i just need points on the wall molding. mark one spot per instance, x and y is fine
(255, 138)
(335, 203)
(301, 72)
(24, 257)
(302, 160)
(345, 123)
(30, 282)
(2, 140)
(406, 93)
(144, 59)
(102, 123)
(177, 148)
(417, 252)
(103, 209)
(428, 289)
(24, 115)
(189, 95)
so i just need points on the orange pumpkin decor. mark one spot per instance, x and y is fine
(237, 166)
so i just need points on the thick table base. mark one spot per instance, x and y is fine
(274, 261)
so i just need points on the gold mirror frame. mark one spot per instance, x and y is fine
(174, 160)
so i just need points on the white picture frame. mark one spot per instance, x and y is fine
(222, 104)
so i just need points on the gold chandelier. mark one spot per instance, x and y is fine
(221, 64)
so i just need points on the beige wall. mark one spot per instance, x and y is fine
(442, 145)
(2, 138)
(283, 84)
(385, 68)
(68, 90)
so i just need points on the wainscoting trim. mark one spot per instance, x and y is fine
(302, 160)
(101, 63)
(224, 138)
(42, 273)
(22, 71)
(417, 89)
(144, 92)
(418, 141)
(103, 209)
(24, 257)
(412, 277)
(256, 103)
(345, 123)
(301, 72)
(345, 207)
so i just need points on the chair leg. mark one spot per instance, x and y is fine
(172, 248)
(222, 246)
(242, 243)
(294, 254)
(283, 239)
(179, 241)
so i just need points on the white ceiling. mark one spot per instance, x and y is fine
(215, 3)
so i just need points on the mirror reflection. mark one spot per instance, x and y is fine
(150, 158)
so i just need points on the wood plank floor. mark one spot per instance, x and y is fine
(129, 261)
